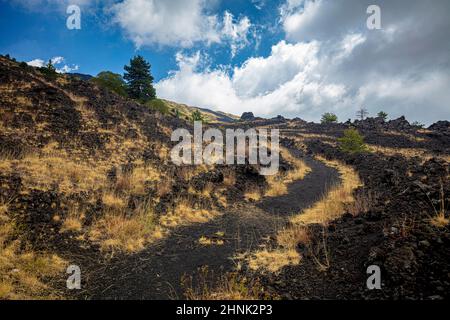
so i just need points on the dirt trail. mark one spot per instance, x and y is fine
(156, 272)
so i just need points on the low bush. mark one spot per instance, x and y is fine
(352, 142)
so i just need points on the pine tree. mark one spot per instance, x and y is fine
(139, 79)
(329, 118)
(49, 71)
(382, 115)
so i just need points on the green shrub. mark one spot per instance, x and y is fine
(23, 65)
(158, 105)
(352, 142)
(382, 115)
(329, 118)
(111, 81)
(418, 124)
(197, 116)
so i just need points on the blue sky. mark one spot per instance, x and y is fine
(298, 58)
(40, 33)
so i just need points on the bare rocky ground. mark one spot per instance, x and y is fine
(157, 272)
(92, 125)
(395, 232)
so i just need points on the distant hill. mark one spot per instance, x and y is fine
(80, 76)
(184, 111)
(211, 116)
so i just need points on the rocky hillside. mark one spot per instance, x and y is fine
(86, 179)
(185, 112)
(86, 172)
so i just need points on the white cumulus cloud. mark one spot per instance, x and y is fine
(38, 63)
(179, 23)
(57, 61)
(285, 82)
(330, 62)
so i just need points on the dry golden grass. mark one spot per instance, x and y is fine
(74, 219)
(163, 152)
(205, 241)
(254, 195)
(74, 224)
(409, 136)
(334, 204)
(439, 219)
(62, 80)
(135, 182)
(164, 187)
(22, 272)
(273, 260)
(117, 232)
(4, 205)
(113, 201)
(230, 287)
(408, 152)
(315, 136)
(43, 172)
(119, 148)
(188, 172)
(143, 174)
(3, 208)
(208, 190)
(278, 184)
(23, 101)
(222, 199)
(301, 138)
(329, 208)
(300, 168)
(184, 213)
(229, 178)
(291, 236)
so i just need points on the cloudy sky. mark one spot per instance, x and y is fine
(298, 58)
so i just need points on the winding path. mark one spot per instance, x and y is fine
(156, 272)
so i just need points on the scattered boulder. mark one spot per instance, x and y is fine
(441, 126)
(248, 116)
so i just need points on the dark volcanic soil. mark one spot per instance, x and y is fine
(156, 273)
(394, 234)
(91, 125)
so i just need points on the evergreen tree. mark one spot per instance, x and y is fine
(49, 71)
(418, 124)
(329, 118)
(140, 80)
(382, 115)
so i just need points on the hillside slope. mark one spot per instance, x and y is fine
(84, 172)
(210, 116)
(86, 179)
